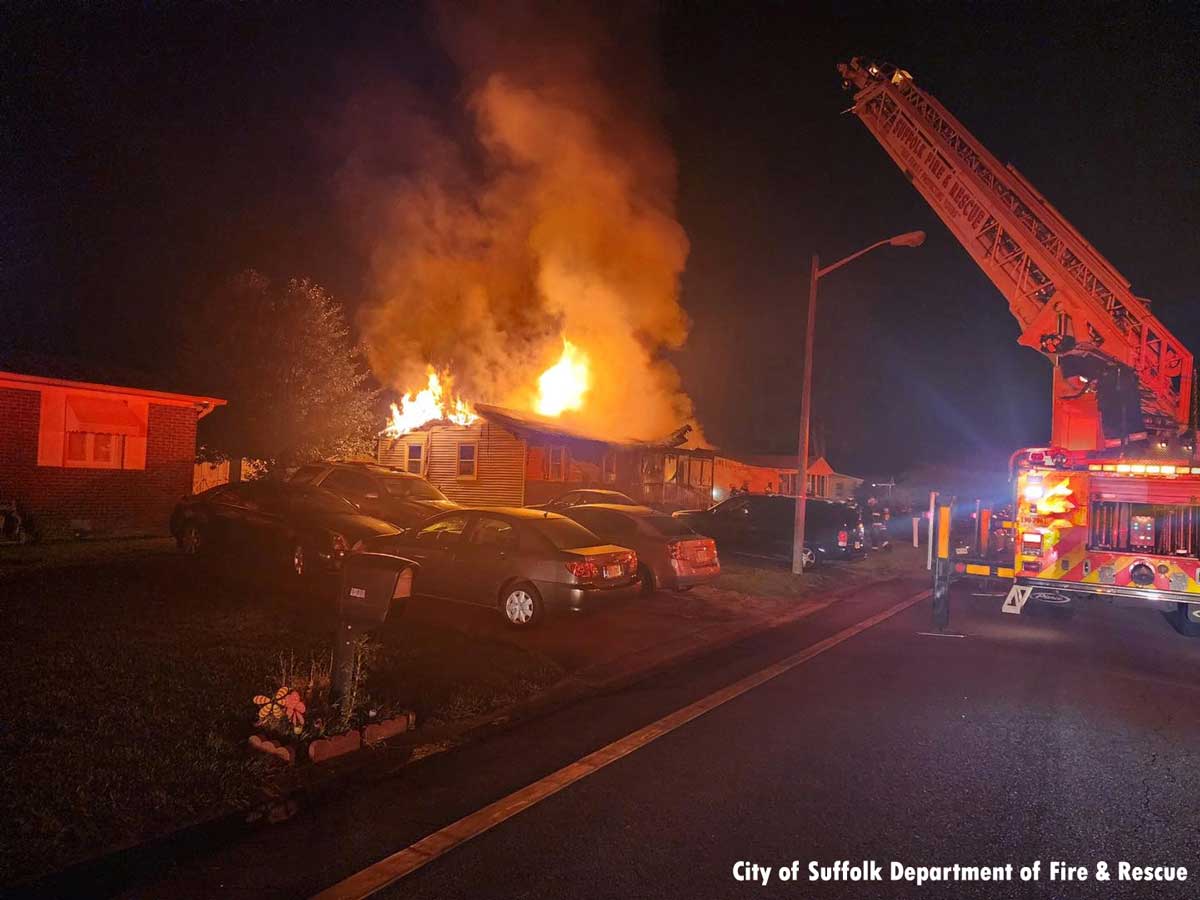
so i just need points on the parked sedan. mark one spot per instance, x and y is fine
(522, 562)
(671, 555)
(585, 495)
(290, 529)
(390, 494)
(764, 525)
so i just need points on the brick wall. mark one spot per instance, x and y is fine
(102, 501)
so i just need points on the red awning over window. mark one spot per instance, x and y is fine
(103, 416)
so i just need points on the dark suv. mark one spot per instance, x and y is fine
(390, 494)
(763, 525)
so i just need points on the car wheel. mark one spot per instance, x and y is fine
(521, 605)
(808, 558)
(1186, 621)
(191, 539)
(649, 582)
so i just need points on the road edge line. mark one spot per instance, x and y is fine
(404, 862)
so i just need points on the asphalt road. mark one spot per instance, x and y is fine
(1067, 735)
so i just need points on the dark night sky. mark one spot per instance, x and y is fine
(151, 153)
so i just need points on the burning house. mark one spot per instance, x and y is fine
(508, 458)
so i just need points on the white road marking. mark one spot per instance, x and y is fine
(940, 634)
(404, 862)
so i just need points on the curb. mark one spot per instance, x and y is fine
(115, 870)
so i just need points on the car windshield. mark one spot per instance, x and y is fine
(668, 526)
(565, 534)
(305, 474)
(412, 488)
(320, 501)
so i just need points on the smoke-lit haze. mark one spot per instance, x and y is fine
(539, 207)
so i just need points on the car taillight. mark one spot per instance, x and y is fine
(339, 544)
(843, 538)
(583, 569)
(404, 585)
(630, 561)
(675, 550)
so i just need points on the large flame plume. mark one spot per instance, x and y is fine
(527, 241)
(564, 385)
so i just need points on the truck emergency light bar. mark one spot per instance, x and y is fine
(1143, 469)
(1076, 461)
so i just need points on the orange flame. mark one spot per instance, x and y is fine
(563, 386)
(428, 406)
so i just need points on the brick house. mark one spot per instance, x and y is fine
(83, 458)
(509, 458)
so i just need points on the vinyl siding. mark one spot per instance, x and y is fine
(499, 462)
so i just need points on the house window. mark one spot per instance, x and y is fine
(91, 450)
(84, 431)
(609, 468)
(413, 459)
(466, 460)
(557, 457)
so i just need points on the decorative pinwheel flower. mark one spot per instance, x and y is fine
(285, 704)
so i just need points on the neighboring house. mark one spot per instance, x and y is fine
(83, 458)
(507, 458)
(777, 474)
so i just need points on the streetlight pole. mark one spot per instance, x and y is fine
(908, 239)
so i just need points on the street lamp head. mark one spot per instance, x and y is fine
(911, 239)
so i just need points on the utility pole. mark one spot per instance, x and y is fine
(805, 401)
(908, 239)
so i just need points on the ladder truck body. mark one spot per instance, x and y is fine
(1112, 506)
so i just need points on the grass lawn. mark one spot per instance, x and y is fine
(127, 672)
(759, 578)
(127, 685)
(17, 560)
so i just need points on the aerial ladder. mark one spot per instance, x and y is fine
(1119, 374)
(1112, 506)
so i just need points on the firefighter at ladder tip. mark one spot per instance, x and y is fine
(1112, 505)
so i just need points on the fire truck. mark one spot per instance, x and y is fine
(1112, 505)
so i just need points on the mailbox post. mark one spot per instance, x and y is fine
(371, 583)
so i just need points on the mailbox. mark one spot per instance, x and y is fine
(370, 583)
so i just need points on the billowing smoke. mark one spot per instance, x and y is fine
(540, 207)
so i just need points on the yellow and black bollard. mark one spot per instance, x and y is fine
(941, 567)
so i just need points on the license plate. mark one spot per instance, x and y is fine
(612, 571)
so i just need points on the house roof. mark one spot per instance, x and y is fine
(524, 424)
(787, 462)
(33, 382)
